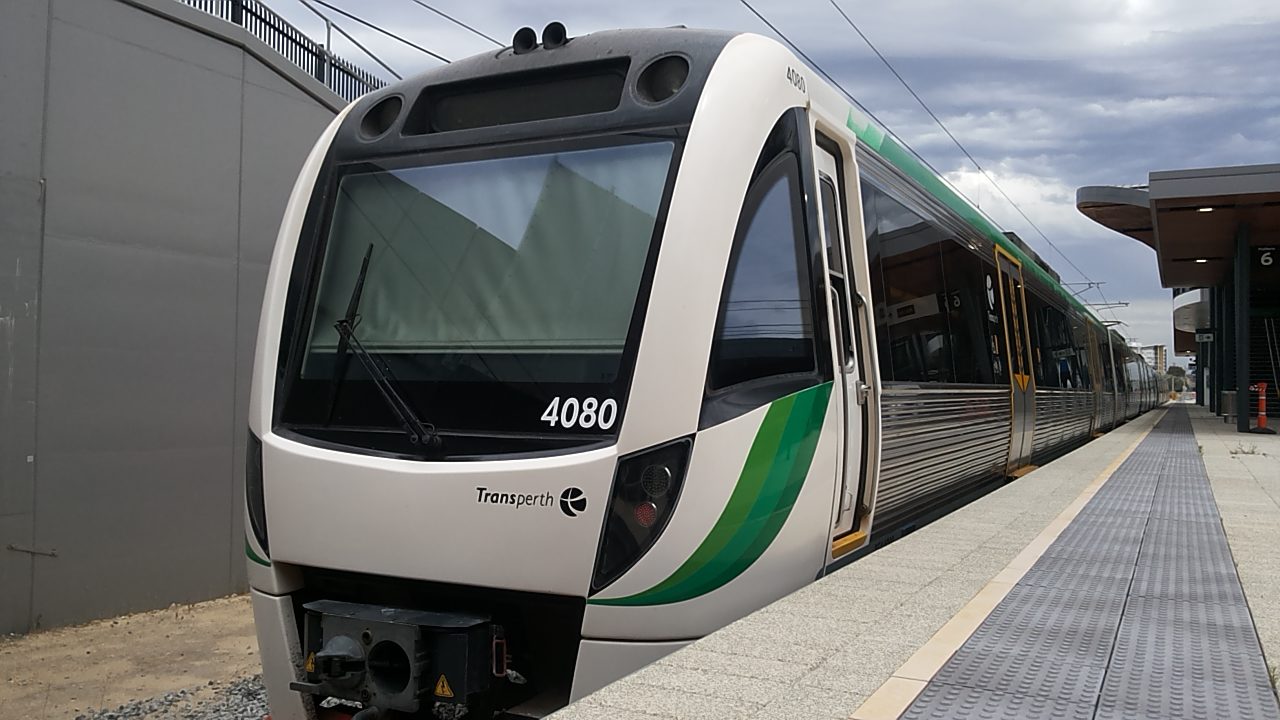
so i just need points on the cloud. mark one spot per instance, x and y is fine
(1048, 201)
(1149, 321)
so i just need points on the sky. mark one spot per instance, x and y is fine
(1046, 96)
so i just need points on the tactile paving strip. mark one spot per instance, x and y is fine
(1190, 582)
(955, 702)
(1186, 659)
(1062, 624)
(1088, 575)
(1135, 611)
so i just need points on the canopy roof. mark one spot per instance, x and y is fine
(1190, 217)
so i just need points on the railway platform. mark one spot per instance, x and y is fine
(1132, 578)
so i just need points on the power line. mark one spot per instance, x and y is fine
(849, 96)
(459, 23)
(957, 142)
(348, 36)
(388, 33)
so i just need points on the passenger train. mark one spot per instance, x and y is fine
(574, 352)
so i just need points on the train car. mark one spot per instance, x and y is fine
(574, 352)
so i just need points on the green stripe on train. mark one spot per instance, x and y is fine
(249, 553)
(771, 478)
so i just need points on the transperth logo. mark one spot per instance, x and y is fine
(573, 501)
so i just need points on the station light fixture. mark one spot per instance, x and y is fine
(1202, 260)
(1205, 209)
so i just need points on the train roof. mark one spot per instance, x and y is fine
(584, 85)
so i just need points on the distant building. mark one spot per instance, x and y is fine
(1156, 357)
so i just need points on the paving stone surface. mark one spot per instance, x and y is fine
(1135, 611)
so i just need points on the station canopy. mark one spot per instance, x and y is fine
(1191, 217)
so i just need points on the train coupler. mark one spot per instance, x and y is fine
(397, 659)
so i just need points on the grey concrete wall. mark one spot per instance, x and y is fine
(139, 200)
(23, 34)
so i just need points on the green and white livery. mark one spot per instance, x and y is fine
(572, 353)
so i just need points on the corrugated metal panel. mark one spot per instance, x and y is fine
(1062, 416)
(1108, 415)
(938, 439)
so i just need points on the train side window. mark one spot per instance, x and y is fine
(969, 314)
(835, 259)
(1055, 355)
(1080, 336)
(914, 298)
(765, 329)
(1108, 374)
(870, 217)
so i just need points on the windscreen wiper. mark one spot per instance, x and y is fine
(419, 432)
(341, 359)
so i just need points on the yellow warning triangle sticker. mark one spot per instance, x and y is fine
(442, 688)
(1022, 380)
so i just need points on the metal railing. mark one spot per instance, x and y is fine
(342, 77)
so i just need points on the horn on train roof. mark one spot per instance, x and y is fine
(525, 40)
(554, 35)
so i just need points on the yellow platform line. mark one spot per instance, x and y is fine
(897, 693)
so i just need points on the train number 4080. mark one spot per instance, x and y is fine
(796, 78)
(586, 413)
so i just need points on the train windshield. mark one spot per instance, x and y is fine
(499, 293)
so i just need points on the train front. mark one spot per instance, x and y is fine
(438, 472)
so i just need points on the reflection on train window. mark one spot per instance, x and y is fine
(969, 314)
(766, 326)
(493, 270)
(1055, 354)
(1108, 370)
(912, 313)
(869, 195)
(1080, 337)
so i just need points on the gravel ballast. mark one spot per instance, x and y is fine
(243, 699)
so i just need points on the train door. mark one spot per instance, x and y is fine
(1017, 343)
(1095, 375)
(1112, 382)
(852, 391)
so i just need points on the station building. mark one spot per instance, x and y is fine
(1216, 233)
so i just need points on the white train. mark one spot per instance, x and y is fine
(575, 352)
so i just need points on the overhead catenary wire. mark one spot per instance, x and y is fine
(883, 125)
(459, 23)
(963, 149)
(848, 95)
(379, 29)
(348, 36)
(815, 65)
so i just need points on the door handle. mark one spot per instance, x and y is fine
(868, 329)
(846, 356)
(861, 390)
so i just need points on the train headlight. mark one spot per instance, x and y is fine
(646, 486)
(655, 480)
